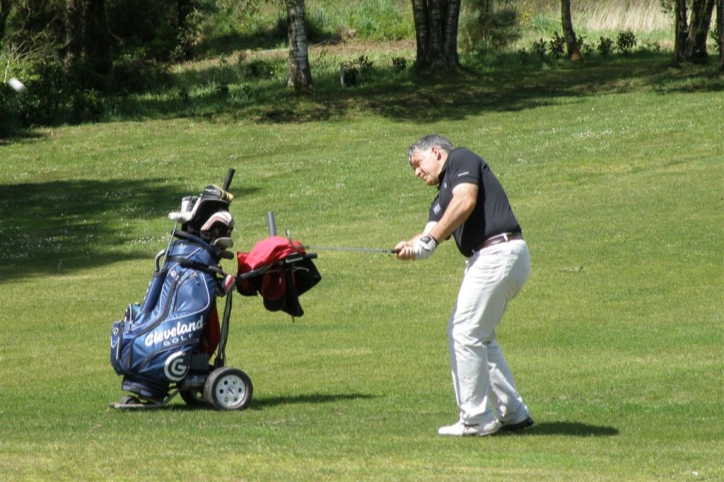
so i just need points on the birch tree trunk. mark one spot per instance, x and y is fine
(436, 32)
(701, 13)
(681, 31)
(720, 29)
(300, 76)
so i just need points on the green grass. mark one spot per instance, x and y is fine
(615, 171)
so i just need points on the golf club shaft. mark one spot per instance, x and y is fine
(358, 250)
(229, 177)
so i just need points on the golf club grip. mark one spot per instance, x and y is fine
(229, 177)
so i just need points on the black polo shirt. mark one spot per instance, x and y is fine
(492, 214)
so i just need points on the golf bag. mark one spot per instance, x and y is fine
(175, 330)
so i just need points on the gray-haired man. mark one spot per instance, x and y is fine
(472, 206)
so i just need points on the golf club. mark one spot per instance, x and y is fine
(358, 250)
(272, 227)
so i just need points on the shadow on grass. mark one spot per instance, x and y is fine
(573, 429)
(61, 226)
(18, 135)
(312, 398)
(421, 98)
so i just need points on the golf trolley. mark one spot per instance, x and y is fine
(173, 343)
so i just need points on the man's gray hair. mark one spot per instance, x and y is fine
(429, 141)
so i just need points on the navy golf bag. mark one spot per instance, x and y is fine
(164, 346)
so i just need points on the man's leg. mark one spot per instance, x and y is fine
(479, 307)
(505, 398)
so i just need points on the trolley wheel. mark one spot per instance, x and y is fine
(228, 389)
(129, 400)
(193, 397)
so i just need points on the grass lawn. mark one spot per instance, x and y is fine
(615, 171)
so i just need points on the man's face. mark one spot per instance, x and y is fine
(428, 164)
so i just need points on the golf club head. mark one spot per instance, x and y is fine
(223, 243)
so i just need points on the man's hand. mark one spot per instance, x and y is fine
(422, 248)
(404, 251)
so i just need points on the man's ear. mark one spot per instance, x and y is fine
(436, 151)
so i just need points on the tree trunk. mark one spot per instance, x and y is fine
(720, 30)
(96, 38)
(574, 50)
(422, 33)
(701, 12)
(436, 31)
(450, 42)
(681, 31)
(87, 36)
(300, 76)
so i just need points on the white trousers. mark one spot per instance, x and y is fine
(484, 385)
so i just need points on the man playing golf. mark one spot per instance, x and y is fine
(472, 206)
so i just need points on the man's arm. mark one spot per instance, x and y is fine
(458, 211)
(426, 230)
(461, 205)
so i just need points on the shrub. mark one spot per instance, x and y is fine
(47, 95)
(356, 71)
(557, 46)
(523, 55)
(259, 69)
(87, 105)
(605, 46)
(714, 34)
(8, 110)
(399, 64)
(540, 47)
(626, 41)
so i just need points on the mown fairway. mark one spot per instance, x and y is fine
(616, 174)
